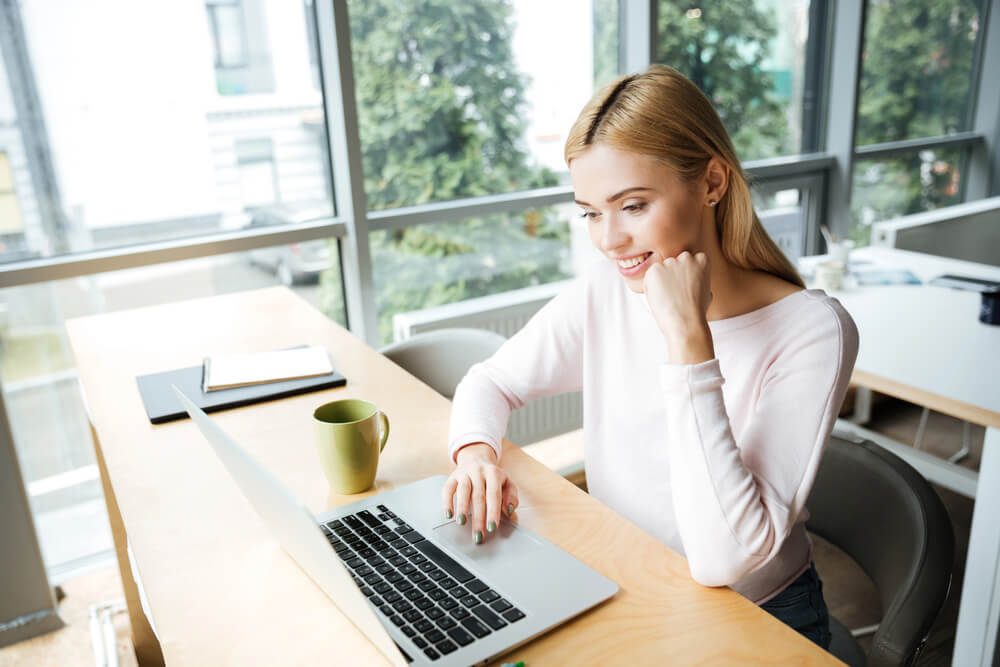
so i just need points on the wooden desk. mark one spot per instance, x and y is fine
(925, 344)
(219, 589)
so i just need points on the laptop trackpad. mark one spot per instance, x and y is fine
(507, 543)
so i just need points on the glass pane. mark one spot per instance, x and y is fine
(890, 187)
(461, 99)
(435, 264)
(781, 213)
(749, 58)
(39, 379)
(917, 68)
(143, 148)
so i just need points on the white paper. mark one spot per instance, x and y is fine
(236, 370)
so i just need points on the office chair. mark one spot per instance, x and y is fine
(882, 513)
(441, 358)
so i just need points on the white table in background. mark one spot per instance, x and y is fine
(925, 344)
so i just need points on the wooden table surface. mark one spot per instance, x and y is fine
(221, 591)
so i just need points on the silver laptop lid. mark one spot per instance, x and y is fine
(296, 529)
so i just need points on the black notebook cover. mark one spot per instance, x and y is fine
(162, 405)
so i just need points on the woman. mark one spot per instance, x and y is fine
(711, 377)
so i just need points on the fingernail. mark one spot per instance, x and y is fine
(491, 526)
(510, 509)
(447, 514)
(478, 539)
(461, 519)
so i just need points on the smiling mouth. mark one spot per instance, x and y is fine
(632, 262)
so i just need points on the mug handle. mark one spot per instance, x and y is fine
(385, 431)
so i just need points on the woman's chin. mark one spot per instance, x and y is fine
(636, 284)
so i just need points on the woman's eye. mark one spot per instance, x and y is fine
(634, 208)
(589, 215)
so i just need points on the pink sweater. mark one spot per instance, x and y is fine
(716, 459)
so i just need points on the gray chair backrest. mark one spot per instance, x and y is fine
(881, 512)
(442, 357)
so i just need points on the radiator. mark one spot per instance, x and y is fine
(505, 314)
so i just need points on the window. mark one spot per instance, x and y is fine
(917, 69)
(258, 177)
(749, 58)
(11, 221)
(240, 41)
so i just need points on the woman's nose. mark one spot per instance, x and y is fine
(613, 236)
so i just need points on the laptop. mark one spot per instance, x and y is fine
(413, 582)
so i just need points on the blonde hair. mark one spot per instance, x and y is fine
(661, 114)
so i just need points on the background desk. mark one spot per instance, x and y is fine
(219, 589)
(925, 344)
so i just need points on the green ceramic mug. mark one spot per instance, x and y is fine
(349, 441)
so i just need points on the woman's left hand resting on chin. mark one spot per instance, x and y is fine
(678, 293)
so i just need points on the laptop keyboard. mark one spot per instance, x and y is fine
(423, 591)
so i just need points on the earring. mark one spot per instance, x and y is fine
(711, 202)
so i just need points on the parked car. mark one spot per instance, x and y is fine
(297, 262)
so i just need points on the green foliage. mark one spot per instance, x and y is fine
(605, 41)
(721, 46)
(916, 80)
(441, 114)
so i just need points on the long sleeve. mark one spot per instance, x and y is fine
(545, 357)
(737, 496)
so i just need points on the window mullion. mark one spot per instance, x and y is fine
(984, 166)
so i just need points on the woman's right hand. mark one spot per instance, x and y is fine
(481, 490)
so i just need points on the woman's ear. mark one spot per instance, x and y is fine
(716, 181)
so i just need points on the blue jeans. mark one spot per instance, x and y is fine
(801, 606)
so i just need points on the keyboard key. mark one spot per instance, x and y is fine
(383, 508)
(417, 577)
(367, 592)
(445, 622)
(378, 545)
(470, 601)
(392, 596)
(355, 563)
(436, 574)
(353, 522)
(408, 551)
(336, 523)
(449, 604)
(369, 518)
(419, 641)
(444, 561)
(393, 577)
(412, 615)
(382, 587)
(366, 553)
(403, 585)
(376, 562)
(458, 592)
(426, 585)
(445, 647)
(352, 539)
(459, 613)
(461, 637)
(383, 516)
(427, 567)
(403, 528)
(413, 594)
(476, 587)
(384, 568)
(436, 594)
(326, 531)
(501, 605)
(398, 543)
(475, 627)
(387, 610)
(397, 561)
(513, 615)
(423, 603)
(382, 530)
(431, 653)
(408, 631)
(423, 626)
(403, 606)
(434, 613)
(418, 559)
(434, 636)
(376, 600)
(488, 617)
(447, 582)
(363, 571)
(408, 568)
(398, 521)
(373, 579)
(413, 537)
(397, 620)
(489, 596)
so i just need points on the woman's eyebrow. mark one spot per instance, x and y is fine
(617, 195)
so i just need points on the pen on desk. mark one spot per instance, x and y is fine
(831, 240)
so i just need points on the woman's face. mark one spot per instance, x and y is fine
(638, 210)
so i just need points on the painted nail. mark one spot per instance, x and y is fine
(510, 509)
(461, 519)
(447, 514)
(478, 539)
(491, 526)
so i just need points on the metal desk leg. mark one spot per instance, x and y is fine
(979, 610)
